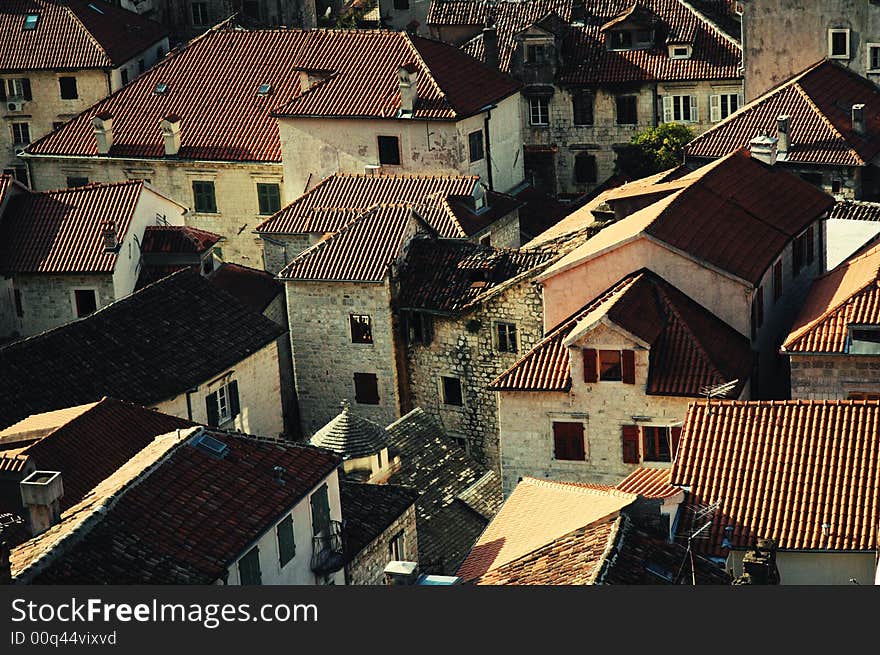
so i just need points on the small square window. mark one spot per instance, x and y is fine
(655, 442)
(475, 145)
(75, 181)
(874, 57)
(85, 301)
(361, 328)
(389, 151)
(452, 391)
(838, 44)
(864, 340)
(535, 54)
(205, 201)
(627, 110)
(505, 337)
(68, 88)
(366, 388)
(268, 198)
(568, 441)
(610, 369)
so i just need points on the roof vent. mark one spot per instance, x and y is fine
(264, 90)
(103, 130)
(170, 126)
(278, 473)
(858, 119)
(208, 444)
(161, 88)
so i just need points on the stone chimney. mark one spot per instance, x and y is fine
(171, 134)
(490, 45)
(41, 494)
(408, 81)
(103, 124)
(763, 148)
(108, 235)
(858, 119)
(759, 564)
(783, 135)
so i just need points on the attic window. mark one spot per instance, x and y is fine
(864, 340)
(211, 445)
(838, 44)
(30, 21)
(161, 88)
(264, 90)
(679, 52)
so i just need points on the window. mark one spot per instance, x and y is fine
(874, 57)
(680, 52)
(582, 108)
(396, 547)
(620, 40)
(361, 328)
(389, 151)
(649, 443)
(680, 109)
(85, 301)
(286, 543)
(568, 441)
(452, 391)
(486, 240)
(320, 505)
(475, 145)
(204, 200)
(777, 280)
(535, 54)
(17, 88)
(401, 5)
(366, 388)
(74, 181)
(505, 337)
(722, 105)
(223, 405)
(417, 328)
(30, 21)
(160, 52)
(249, 568)
(68, 88)
(627, 110)
(836, 185)
(585, 168)
(124, 76)
(838, 44)
(199, 13)
(539, 111)
(609, 365)
(802, 251)
(19, 309)
(655, 444)
(864, 340)
(268, 198)
(57, 125)
(21, 134)
(757, 311)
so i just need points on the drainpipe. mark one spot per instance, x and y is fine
(488, 111)
(189, 411)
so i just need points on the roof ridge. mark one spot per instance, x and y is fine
(576, 487)
(89, 34)
(408, 40)
(712, 24)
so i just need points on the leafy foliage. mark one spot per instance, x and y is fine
(654, 150)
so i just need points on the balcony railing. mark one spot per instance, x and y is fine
(327, 556)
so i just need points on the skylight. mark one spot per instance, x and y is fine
(211, 445)
(265, 89)
(30, 21)
(161, 88)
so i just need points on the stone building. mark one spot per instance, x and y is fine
(607, 390)
(59, 58)
(822, 124)
(456, 206)
(739, 236)
(783, 37)
(236, 137)
(850, 225)
(65, 254)
(595, 74)
(834, 347)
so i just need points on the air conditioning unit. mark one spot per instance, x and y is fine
(372, 169)
(15, 105)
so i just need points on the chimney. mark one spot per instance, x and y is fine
(171, 134)
(858, 119)
(759, 564)
(408, 81)
(783, 135)
(278, 473)
(490, 45)
(103, 124)
(108, 234)
(399, 573)
(763, 148)
(41, 494)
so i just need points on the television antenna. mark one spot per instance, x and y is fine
(717, 391)
(704, 515)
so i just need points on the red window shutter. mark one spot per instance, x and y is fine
(591, 365)
(628, 366)
(630, 440)
(674, 438)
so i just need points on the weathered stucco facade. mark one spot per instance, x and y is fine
(368, 566)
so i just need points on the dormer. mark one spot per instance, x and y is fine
(680, 50)
(634, 29)
(536, 52)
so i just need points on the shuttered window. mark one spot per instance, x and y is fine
(568, 441)
(628, 366)
(205, 202)
(609, 365)
(675, 439)
(223, 404)
(286, 543)
(249, 568)
(656, 446)
(591, 365)
(320, 504)
(630, 444)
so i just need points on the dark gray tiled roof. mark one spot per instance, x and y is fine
(368, 510)
(351, 435)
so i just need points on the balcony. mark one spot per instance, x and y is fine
(327, 554)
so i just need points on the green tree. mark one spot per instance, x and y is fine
(654, 150)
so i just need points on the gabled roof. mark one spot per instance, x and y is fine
(586, 59)
(736, 214)
(452, 276)
(847, 295)
(361, 251)
(368, 510)
(72, 34)
(212, 86)
(148, 347)
(783, 470)
(86, 443)
(175, 513)
(537, 513)
(650, 483)
(177, 239)
(351, 435)
(690, 348)
(62, 231)
(323, 209)
(457, 495)
(250, 286)
(819, 102)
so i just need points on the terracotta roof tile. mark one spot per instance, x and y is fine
(782, 470)
(250, 286)
(819, 102)
(847, 295)
(177, 239)
(855, 210)
(61, 231)
(690, 347)
(649, 483)
(72, 35)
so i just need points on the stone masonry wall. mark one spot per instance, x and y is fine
(280, 249)
(47, 300)
(368, 566)
(831, 377)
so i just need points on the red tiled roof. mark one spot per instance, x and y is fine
(223, 118)
(783, 469)
(649, 483)
(252, 287)
(177, 239)
(855, 210)
(72, 35)
(361, 251)
(847, 295)
(61, 231)
(322, 208)
(6, 182)
(690, 347)
(819, 102)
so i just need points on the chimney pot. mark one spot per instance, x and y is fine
(763, 148)
(858, 119)
(111, 242)
(103, 128)
(41, 494)
(408, 83)
(171, 134)
(783, 134)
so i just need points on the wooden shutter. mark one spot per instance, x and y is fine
(26, 88)
(286, 543)
(674, 438)
(628, 366)
(695, 110)
(715, 107)
(320, 503)
(568, 441)
(630, 442)
(668, 113)
(213, 409)
(591, 365)
(234, 405)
